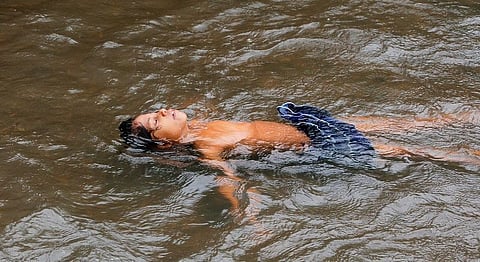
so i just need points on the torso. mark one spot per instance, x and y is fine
(214, 138)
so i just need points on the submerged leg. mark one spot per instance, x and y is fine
(396, 124)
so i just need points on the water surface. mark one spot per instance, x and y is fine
(72, 70)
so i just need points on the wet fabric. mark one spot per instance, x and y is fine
(331, 139)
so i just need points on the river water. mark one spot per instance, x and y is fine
(72, 70)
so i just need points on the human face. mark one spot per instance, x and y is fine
(164, 124)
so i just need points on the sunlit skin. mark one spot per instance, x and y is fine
(213, 138)
(164, 124)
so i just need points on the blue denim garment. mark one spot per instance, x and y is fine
(331, 139)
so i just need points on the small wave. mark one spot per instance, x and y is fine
(61, 39)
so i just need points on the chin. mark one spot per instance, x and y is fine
(182, 115)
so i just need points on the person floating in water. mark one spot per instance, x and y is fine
(310, 129)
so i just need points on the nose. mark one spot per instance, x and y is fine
(162, 112)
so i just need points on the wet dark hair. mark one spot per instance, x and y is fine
(138, 137)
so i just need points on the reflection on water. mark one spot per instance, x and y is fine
(72, 71)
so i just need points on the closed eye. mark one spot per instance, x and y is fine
(152, 126)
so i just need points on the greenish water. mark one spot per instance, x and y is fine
(72, 70)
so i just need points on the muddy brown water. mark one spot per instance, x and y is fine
(72, 70)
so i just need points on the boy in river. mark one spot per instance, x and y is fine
(310, 128)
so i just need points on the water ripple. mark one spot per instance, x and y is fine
(72, 70)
